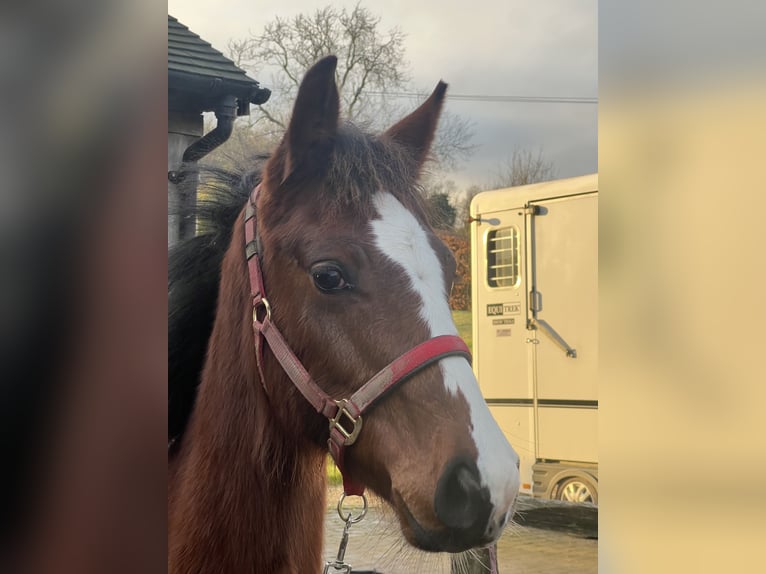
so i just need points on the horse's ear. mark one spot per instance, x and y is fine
(314, 122)
(416, 131)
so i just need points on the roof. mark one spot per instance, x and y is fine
(199, 75)
(512, 197)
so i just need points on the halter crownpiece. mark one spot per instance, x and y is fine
(344, 415)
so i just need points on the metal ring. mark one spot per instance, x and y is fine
(266, 305)
(349, 518)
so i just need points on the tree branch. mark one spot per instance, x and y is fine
(271, 118)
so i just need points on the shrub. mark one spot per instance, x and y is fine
(460, 299)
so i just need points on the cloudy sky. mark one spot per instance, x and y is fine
(485, 47)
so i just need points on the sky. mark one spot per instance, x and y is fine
(486, 47)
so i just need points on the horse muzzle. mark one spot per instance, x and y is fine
(463, 508)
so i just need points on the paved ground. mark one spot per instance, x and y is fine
(375, 544)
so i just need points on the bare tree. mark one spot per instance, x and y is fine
(452, 142)
(248, 140)
(371, 70)
(524, 167)
(521, 168)
(242, 52)
(369, 62)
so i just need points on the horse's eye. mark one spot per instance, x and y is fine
(329, 278)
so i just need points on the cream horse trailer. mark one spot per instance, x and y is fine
(534, 262)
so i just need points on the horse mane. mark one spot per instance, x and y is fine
(194, 275)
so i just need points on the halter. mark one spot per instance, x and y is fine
(344, 415)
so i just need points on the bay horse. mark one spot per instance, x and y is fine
(337, 236)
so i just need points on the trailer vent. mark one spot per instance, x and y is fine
(503, 257)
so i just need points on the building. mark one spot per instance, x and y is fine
(200, 79)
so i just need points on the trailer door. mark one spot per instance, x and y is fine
(562, 254)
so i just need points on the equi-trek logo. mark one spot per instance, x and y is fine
(500, 309)
(495, 309)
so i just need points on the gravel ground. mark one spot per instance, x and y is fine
(375, 544)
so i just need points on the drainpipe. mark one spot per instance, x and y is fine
(225, 113)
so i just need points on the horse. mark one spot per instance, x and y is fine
(323, 298)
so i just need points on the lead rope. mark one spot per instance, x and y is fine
(340, 564)
(493, 559)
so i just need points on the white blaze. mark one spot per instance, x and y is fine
(402, 239)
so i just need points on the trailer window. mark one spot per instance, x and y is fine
(503, 257)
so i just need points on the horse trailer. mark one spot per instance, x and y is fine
(534, 262)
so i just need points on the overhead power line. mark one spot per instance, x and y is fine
(491, 98)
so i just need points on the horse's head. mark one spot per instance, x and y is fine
(356, 277)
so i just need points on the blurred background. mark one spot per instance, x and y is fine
(82, 281)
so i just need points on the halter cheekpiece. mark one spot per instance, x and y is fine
(344, 415)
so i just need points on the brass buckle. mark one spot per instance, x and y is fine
(335, 422)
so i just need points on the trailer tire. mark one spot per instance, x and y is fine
(576, 489)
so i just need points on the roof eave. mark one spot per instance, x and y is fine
(205, 90)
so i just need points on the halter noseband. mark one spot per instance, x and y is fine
(345, 415)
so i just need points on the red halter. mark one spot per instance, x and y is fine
(345, 415)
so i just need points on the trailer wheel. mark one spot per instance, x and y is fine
(576, 489)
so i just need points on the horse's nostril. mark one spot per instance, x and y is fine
(460, 501)
(467, 480)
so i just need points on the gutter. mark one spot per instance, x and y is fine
(206, 90)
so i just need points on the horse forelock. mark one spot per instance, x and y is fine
(360, 165)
